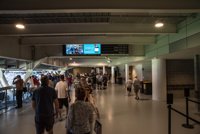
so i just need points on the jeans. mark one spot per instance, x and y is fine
(19, 98)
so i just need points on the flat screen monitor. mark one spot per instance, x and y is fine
(74, 49)
(82, 49)
(94, 49)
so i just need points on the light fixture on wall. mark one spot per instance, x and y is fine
(20, 26)
(159, 24)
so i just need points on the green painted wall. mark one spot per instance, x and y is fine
(169, 43)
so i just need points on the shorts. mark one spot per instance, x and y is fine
(63, 101)
(136, 90)
(44, 123)
(129, 89)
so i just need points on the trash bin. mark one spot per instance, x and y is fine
(147, 88)
(119, 80)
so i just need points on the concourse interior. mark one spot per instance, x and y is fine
(156, 41)
(119, 114)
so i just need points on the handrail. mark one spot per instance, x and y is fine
(198, 122)
(194, 101)
(170, 102)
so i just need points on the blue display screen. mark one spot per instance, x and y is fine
(74, 49)
(82, 49)
(92, 49)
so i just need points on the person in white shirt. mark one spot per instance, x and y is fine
(137, 87)
(63, 94)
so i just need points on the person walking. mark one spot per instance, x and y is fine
(63, 94)
(18, 81)
(80, 116)
(137, 87)
(129, 84)
(43, 102)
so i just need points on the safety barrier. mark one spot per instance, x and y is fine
(4, 96)
(7, 98)
(170, 108)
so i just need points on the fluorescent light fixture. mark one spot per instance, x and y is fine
(20, 26)
(159, 24)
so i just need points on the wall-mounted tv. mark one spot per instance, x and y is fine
(82, 49)
(74, 49)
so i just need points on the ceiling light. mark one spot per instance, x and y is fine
(20, 26)
(159, 24)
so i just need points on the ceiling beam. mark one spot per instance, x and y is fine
(140, 40)
(85, 28)
(100, 4)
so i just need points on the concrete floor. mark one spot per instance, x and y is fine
(120, 114)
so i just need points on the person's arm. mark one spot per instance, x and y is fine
(33, 104)
(56, 103)
(14, 81)
(56, 106)
(33, 101)
(69, 123)
(69, 98)
(91, 117)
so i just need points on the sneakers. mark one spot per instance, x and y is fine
(137, 98)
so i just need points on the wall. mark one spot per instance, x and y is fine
(46, 51)
(170, 43)
(180, 75)
(122, 70)
(180, 72)
(10, 47)
(147, 70)
(81, 70)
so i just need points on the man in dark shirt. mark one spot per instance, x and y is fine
(18, 81)
(43, 101)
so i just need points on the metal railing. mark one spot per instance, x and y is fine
(170, 108)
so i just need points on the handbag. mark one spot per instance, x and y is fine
(98, 127)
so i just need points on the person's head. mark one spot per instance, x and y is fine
(80, 93)
(44, 80)
(62, 77)
(18, 77)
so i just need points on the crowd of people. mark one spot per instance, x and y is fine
(49, 94)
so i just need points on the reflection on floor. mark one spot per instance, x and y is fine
(120, 114)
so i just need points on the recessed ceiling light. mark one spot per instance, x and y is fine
(20, 26)
(159, 24)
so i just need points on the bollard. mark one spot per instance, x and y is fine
(187, 94)
(169, 102)
(170, 99)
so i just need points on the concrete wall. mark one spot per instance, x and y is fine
(180, 72)
(167, 44)
(10, 47)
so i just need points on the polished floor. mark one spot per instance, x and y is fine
(120, 114)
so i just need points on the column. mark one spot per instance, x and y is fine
(112, 74)
(126, 72)
(3, 79)
(159, 79)
(104, 69)
(197, 78)
(28, 74)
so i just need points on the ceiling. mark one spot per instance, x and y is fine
(108, 22)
